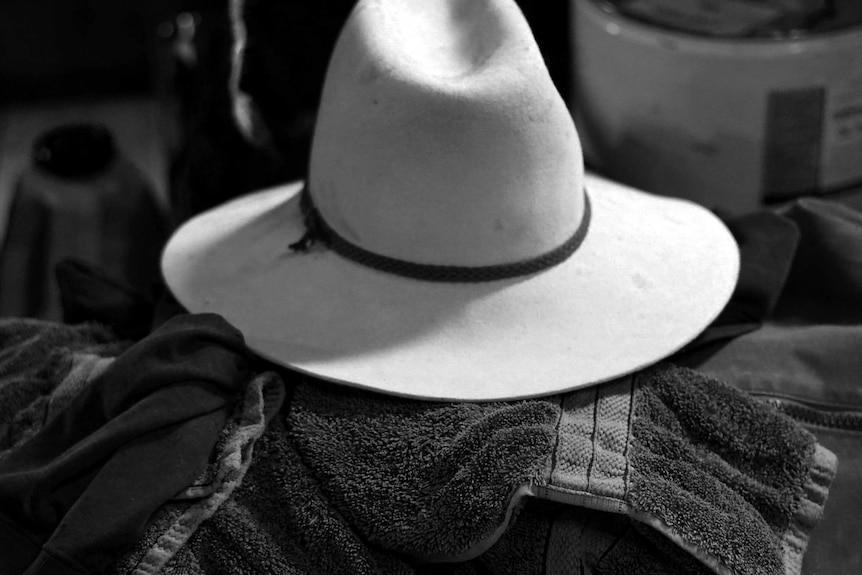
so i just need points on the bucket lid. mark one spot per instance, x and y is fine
(742, 18)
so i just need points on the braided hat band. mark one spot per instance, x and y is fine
(318, 230)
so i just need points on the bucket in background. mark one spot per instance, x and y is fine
(732, 119)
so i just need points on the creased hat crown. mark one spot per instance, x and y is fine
(441, 138)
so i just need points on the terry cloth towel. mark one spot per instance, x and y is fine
(100, 440)
(44, 363)
(667, 471)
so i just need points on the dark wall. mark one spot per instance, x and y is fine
(59, 48)
(70, 48)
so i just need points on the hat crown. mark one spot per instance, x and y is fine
(441, 138)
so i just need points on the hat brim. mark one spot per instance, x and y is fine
(651, 274)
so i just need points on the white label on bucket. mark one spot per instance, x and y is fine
(843, 138)
(711, 17)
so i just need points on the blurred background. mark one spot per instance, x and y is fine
(152, 76)
(116, 123)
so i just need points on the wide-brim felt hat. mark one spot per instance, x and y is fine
(447, 243)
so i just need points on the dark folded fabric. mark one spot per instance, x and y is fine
(825, 283)
(88, 294)
(82, 488)
(805, 358)
(767, 244)
(665, 472)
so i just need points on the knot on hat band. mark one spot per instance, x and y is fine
(317, 230)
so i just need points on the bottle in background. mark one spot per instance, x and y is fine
(79, 198)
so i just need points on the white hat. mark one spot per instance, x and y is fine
(462, 254)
